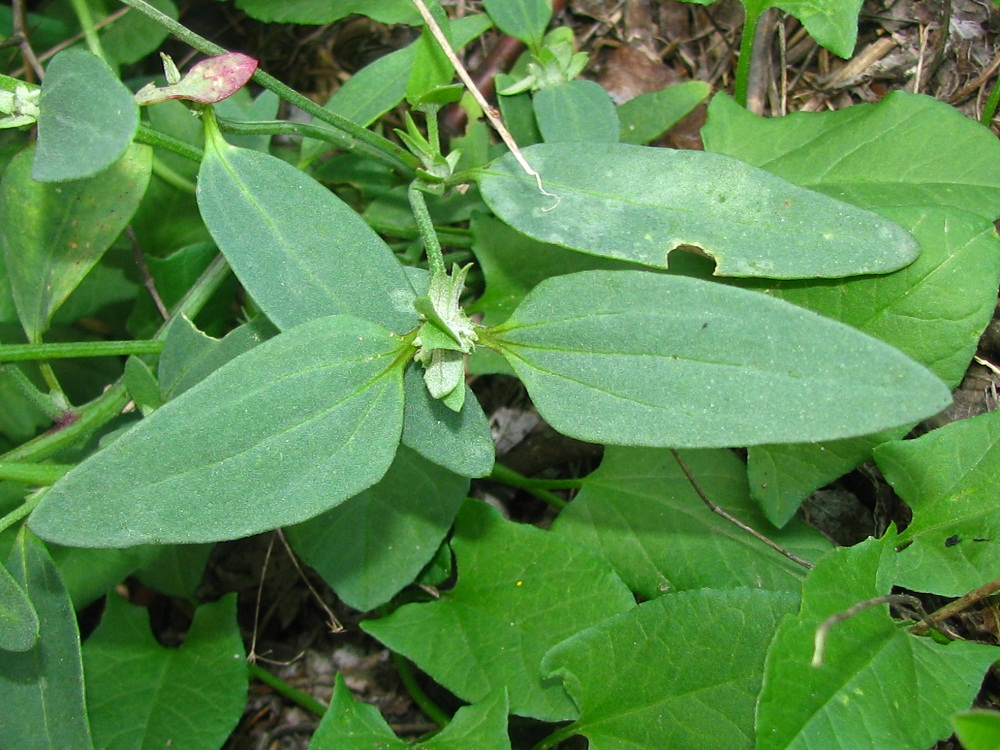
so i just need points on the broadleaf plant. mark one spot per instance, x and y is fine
(241, 325)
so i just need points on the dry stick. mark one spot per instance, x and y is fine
(732, 519)
(819, 641)
(333, 623)
(147, 278)
(953, 608)
(489, 110)
(252, 656)
(23, 40)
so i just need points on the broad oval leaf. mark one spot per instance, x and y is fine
(634, 358)
(18, 619)
(300, 251)
(275, 436)
(54, 234)
(638, 203)
(577, 111)
(525, 20)
(86, 120)
(832, 23)
(142, 695)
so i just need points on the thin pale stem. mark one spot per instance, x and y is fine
(819, 639)
(23, 511)
(733, 519)
(536, 487)
(33, 474)
(431, 710)
(41, 401)
(148, 135)
(418, 204)
(83, 14)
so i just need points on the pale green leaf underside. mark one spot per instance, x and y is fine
(949, 478)
(370, 547)
(641, 513)
(634, 358)
(879, 686)
(42, 688)
(276, 436)
(87, 118)
(637, 204)
(296, 247)
(520, 591)
(18, 619)
(142, 695)
(681, 671)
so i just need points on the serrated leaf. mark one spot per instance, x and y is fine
(86, 121)
(648, 116)
(520, 591)
(18, 619)
(928, 153)
(948, 477)
(522, 19)
(669, 361)
(327, 11)
(352, 725)
(297, 248)
(370, 547)
(42, 688)
(640, 512)
(576, 111)
(641, 678)
(845, 703)
(142, 695)
(54, 234)
(637, 204)
(314, 414)
(459, 441)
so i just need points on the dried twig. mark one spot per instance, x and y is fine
(819, 641)
(953, 608)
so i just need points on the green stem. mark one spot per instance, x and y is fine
(89, 418)
(172, 177)
(431, 710)
(506, 475)
(82, 10)
(746, 55)
(990, 108)
(301, 699)
(400, 159)
(152, 137)
(41, 401)
(556, 737)
(200, 292)
(34, 474)
(77, 349)
(418, 204)
(23, 511)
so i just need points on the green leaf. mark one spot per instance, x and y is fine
(327, 11)
(431, 67)
(978, 730)
(142, 386)
(314, 414)
(350, 724)
(641, 513)
(513, 265)
(370, 547)
(89, 573)
(509, 606)
(522, 19)
(55, 234)
(18, 619)
(928, 153)
(142, 695)
(459, 441)
(134, 36)
(664, 360)
(648, 116)
(576, 111)
(87, 118)
(845, 702)
(42, 688)
(949, 479)
(832, 23)
(637, 204)
(297, 248)
(933, 310)
(176, 569)
(641, 678)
